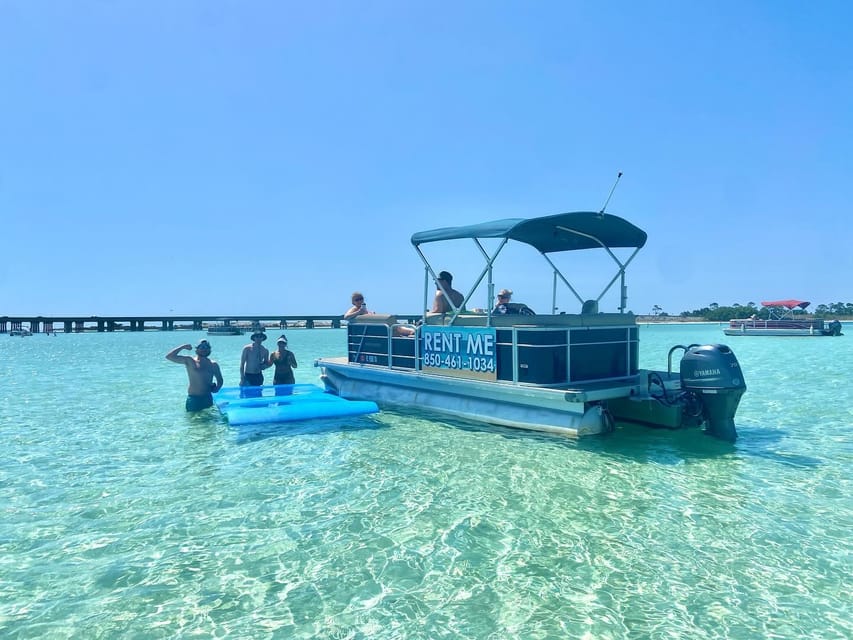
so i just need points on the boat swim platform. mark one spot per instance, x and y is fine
(100, 324)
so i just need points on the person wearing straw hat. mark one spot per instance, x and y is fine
(254, 359)
(505, 306)
(201, 371)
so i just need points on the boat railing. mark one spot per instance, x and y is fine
(377, 339)
(510, 320)
(555, 351)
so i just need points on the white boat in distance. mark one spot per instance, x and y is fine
(783, 321)
(573, 374)
(225, 329)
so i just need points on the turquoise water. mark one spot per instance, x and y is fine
(122, 516)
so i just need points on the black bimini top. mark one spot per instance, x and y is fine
(548, 234)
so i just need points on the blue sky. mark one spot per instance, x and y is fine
(220, 157)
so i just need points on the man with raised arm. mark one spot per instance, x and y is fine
(201, 372)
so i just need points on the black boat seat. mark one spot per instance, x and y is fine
(589, 307)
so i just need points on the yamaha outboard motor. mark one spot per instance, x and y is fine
(712, 373)
(834, 328)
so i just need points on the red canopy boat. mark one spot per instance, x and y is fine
(788, 304)
(783, 321)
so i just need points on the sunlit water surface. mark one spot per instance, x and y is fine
(122, 516)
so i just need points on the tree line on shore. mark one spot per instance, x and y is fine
(717, 312)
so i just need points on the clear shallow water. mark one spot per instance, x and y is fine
(122, 516)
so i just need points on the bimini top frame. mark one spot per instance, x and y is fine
(785, 309)
(548, 234)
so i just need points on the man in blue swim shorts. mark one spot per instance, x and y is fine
(201, 372)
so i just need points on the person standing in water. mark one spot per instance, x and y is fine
(201, 371)
(254, 359)
(284, 362)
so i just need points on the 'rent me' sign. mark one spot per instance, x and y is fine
(468, 352)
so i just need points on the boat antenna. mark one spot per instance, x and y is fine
(606, 202)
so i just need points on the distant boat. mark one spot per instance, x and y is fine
(20, 332)
(783, 321)
(225, 329)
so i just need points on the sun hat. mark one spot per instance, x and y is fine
(282, 339)
(203, 343)
(505, 292)
(261, 334)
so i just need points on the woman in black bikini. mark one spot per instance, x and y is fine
(284, 362)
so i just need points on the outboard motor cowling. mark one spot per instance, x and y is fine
(713, 374)
(834, 328)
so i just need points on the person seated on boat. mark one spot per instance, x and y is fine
(589, 307)
(201, 372)
(359, 308)
(254, 359)
(445, 284)
(284, 362)
(504, 297)
(505, 307)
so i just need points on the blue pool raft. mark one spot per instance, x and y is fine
(285, 403)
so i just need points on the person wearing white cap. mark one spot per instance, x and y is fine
(284, 362)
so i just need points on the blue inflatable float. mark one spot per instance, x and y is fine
(285, 403)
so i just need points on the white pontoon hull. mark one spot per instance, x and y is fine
(558, 411)
(774, 331)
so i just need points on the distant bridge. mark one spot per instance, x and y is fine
(79, 324)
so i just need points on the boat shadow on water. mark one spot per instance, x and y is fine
(628, 441)
(676, 446)
(636, 442)
(766, 443)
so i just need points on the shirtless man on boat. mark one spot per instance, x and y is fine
(201, 372)
(440, 303)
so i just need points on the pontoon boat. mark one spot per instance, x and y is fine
(783, 321)
(574, 374)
